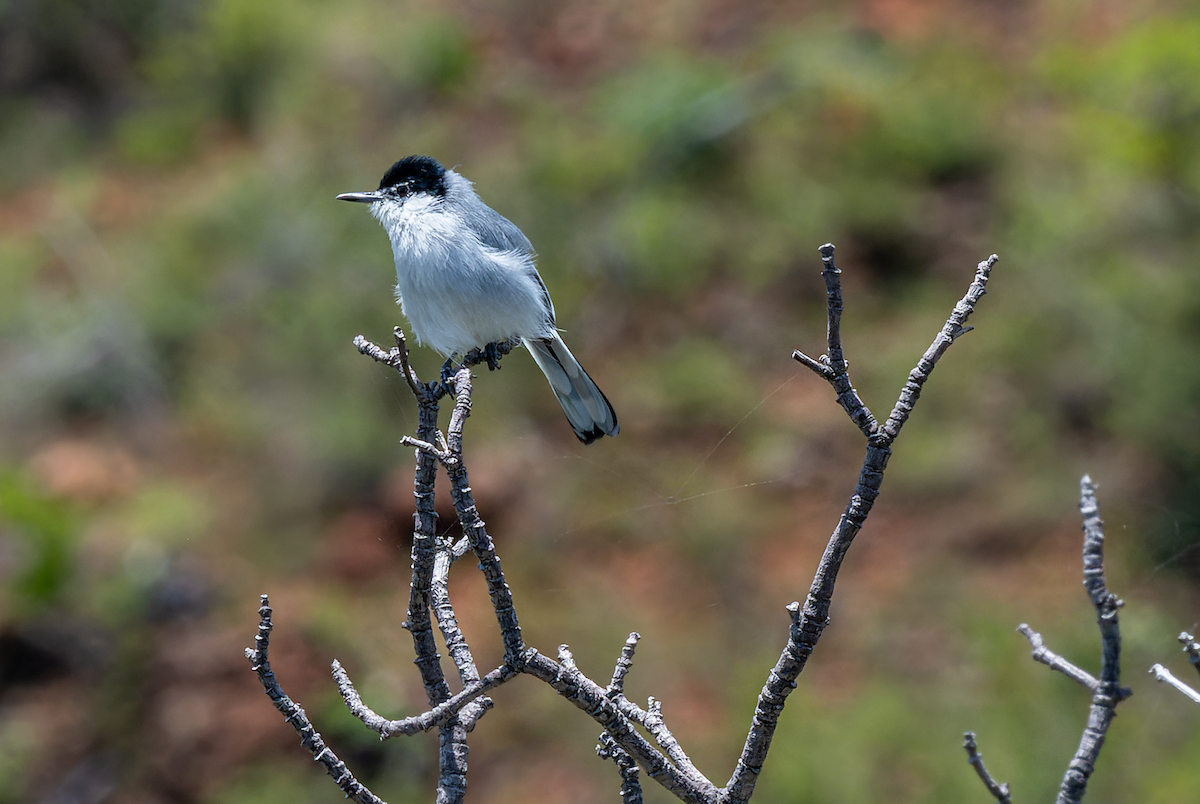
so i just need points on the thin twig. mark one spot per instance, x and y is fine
(631, 784)
(590, 697)
(955, 326)
(424, 446)
(295, 715)
(666, 740)
(624, 663)
(456, 643)
(426, 720)
(1055, 662)
(1108, 692)
(397, 358)
(832, 365)
(1161, 673)
(606, 747)
(1191, 647)
(472, 524)
(998, 790)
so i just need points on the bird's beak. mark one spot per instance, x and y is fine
(361, 198)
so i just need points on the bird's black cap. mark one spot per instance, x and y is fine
(415, 174)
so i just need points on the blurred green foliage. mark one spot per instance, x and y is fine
(183, 421)
(42, 530)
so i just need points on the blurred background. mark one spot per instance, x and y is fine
(184, 423)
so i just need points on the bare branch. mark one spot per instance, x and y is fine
(436, 716)
(424, 554)
(473, 527)
(1055, 662)
(606, 747)
(456, 643)
(662, 735)
(452, 745)
(832, 365)
(1191, 647)
(1161, 673)
(808, 623)
(955, 326)
(424, 446)
(295, 715)
(397, 358)
(590, 697)
(998, 790)
(651, 717)
(617, 685)
(1108, 692)
(631, 785)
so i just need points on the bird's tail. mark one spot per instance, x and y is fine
(587, 409)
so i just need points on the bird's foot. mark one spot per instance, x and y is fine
(491, 353)
(446, 377)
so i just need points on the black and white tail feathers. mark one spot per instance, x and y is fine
(588, 410)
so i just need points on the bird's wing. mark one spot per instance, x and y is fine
(498, 232)
(545, 293)
(495, 230)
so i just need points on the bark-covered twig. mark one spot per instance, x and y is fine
(999, 790)
(1055, 662)
(631, 783)
(657, 726)
(424, 554)
(606, 747)
(955, 327)
(425, 721)
(1191, 647)
(624, 663)
(591, 698)
(452, 743)
(295, 715)
(397, 358)
(1106, 690)
(832, 365)
(472, 524)
(650, 718)
(456, 643)
(808, 623)
(1161, 673)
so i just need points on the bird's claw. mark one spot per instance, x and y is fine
(446, 377)
(491, 353)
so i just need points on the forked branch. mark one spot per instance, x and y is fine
(1106, 690)
(808, 623)
(637, 740)
(297, 717)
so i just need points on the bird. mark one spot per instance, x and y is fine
(466, 279)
